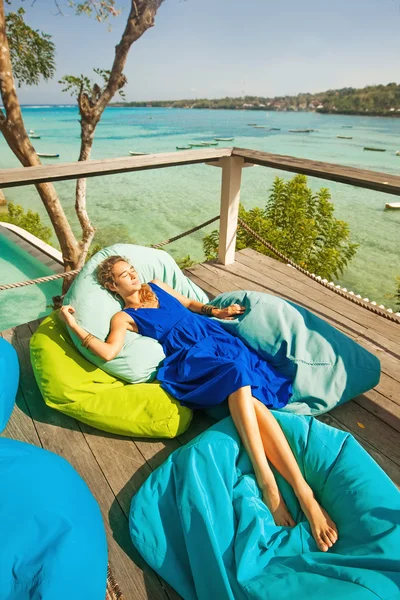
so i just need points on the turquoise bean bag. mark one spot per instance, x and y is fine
(9, 378)
(326, 366)
(200, 523)
(53, 544)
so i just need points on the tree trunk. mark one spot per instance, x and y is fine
(88, 231)
(141, 18)
(13, 128)
(91, 107)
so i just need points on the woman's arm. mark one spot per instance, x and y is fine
(227, 313)
(115, 340)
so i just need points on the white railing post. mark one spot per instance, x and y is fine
(229, 210)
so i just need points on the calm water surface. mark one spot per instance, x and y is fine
(151, 206)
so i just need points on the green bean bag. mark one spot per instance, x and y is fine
(140, 356)
(71, 384)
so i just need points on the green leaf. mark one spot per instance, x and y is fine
(32, 52)
(299, 224)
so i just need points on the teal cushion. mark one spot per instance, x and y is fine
(9, 379)
(200, 523)
(140, 356)
(327, 367)
(53, 542)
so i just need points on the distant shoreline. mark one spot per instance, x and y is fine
(394, 115)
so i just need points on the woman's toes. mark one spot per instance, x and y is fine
(322, 545)
(326, 539)
(331, 533)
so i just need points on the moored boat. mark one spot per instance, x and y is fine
(209, 143)
(300, 130)
(196, 145)
(34, 136)
(344, 137)
(397, 152)
(275, 129)
(371, 149)
(183, 147)
(137, 153)
(392, 206)
(45, 155)
(224, 139)
(259, 127)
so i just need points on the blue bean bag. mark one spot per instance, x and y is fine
(53, 544)
(200, 523)
(9, 378)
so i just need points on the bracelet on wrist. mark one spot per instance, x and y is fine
(86, 341)
(207, 309)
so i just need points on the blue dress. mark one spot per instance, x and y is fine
(204, 363)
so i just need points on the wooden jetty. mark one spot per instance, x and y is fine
(114, 467)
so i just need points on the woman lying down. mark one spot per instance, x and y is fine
(205, 365)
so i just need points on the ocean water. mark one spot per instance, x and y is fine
(150, 206)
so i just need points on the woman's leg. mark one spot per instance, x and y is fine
(242, 409)
(279, 453)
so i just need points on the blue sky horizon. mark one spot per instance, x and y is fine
(216, 48)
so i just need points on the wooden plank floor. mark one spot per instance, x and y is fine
(114, 467)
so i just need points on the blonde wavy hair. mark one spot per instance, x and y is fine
(105, 277)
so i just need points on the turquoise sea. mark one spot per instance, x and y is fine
(150, 206)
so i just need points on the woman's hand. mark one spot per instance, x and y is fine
(229, 312)
(67, 315)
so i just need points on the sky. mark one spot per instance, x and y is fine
(217, 48)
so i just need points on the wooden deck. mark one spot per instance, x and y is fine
(114, 467)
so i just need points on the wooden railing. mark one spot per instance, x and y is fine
(231, 160)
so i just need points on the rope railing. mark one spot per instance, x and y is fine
(243, 224)
(318, 279)
(9, 286)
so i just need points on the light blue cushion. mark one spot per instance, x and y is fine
(9, 378)
(200, 523)
(327, 367)
(140, 356)
(53, 543)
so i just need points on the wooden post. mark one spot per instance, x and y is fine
(229, 210)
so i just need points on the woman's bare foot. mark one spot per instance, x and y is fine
(323, 528)
(276, 504)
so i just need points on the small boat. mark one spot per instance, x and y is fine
(374, 149)
(344, 137)
(275, 129)
(43, 155)
(209, 143)
(251, 124)
(392, 206)
(224, 139)
(300, 130)
(184, 147)
(137, 153)
(347, 126)
(196, 145)
(34, 137)
(259, 127)
(397, 152)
